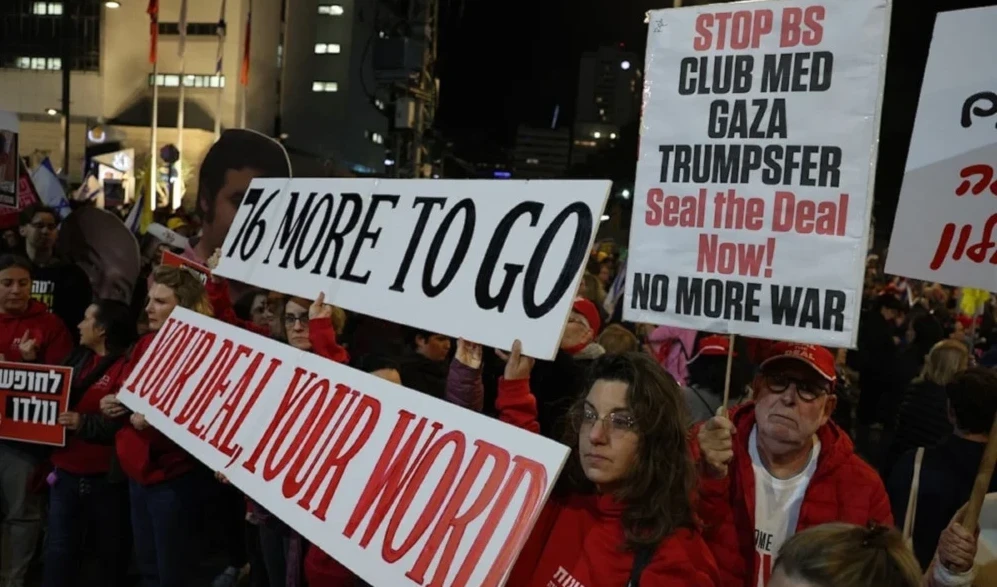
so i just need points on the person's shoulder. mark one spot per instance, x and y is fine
(683, 555)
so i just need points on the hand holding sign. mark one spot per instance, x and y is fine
(111, 407)
(517, 365)
(468, 354)
(716, 445)
(71, 420)
(138, 421)
(28, 347)
(319, 310)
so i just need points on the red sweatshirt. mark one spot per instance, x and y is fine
(578, 539)
(79, 456)
(147, 456)
(54, 341)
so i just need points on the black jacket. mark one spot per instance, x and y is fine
(421, 374)
(922, 420)
(947, 475)
(65, 289)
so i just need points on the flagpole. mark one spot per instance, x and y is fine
(218, 72)
(153, 11)
(244, 74)
(176, 187)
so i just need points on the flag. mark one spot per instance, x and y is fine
(615, 292)
(50, 188)
(220, 31)
(140, 216)
(89, 189)
(183, 28)
(153, 11)
(244, 73)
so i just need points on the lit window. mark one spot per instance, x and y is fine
(54, 63)
(375, 137)
(325, 87)
(24, 63)
(169, 80)
(330, 9)
(46, 8)
(532, 161)
(37, 63)
(325, 48)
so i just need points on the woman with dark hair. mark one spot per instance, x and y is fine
(254, 306)
(87, 485)
(622, 508)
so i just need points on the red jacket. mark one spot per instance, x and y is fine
(148, 456)
(578, 539)
(221, 304)
(843, 489)
(54, 341)
(79, 456)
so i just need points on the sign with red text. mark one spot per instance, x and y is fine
(10, 162)
(171, 259)
(757, 158)
(31, 399)
(400, 487)
(946, 225)
(489, 261)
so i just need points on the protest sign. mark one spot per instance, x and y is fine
(9, 160)
(167, 236)
(31, 399)
(947, 213)
(756, 167)
(201, 272)
(27, 196)
(490, 261)
(400, 487)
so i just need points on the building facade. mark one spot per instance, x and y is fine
(609, 92)
(541, 153)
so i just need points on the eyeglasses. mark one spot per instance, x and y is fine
(807, 391)
(615, 422)
(291, 319)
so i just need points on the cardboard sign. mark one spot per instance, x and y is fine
(947, 214)
(171, 259)
(490, 261)
(756, 166)
(400, 487)
(31, 399)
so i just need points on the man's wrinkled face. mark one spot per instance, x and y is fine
(226, 204)
(792, 401)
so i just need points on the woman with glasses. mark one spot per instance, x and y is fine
(778, 465)
(621, 513)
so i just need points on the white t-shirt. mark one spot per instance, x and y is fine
(777, 506)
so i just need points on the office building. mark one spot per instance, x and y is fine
(609, 92)
(541, 153)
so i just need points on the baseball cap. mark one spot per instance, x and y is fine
(816, 357)
(712, 346)
(587, 308)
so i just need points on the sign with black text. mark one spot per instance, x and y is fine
(31, 399)
(757, 160)
(402, 488)
(946, 225)
(490, 261)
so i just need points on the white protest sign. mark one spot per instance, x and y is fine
(489, 261)
(947, 213)
(400, 487)
(756, 167)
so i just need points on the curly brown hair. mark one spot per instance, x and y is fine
(188, 289)
(657, 492)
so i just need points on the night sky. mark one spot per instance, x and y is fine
(510, 62)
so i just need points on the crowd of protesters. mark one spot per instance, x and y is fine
(666, 485)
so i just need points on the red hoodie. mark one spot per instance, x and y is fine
(79, 456)
(147, 456)
(843, 489)
(54, 341)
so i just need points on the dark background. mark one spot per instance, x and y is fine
(511, 62)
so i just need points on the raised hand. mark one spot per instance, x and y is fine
(517, 365)
(28, 347)
(319, 309)
(469, 353)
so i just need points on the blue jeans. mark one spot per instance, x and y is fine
(162, 516)
(77, 504)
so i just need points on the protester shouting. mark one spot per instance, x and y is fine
(63, 287)
(30, 334)
(163, 487)
(779, 465)
(622, 508)
(88, 490)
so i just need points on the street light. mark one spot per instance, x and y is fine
(625, 65)
(112, 4)
(625, 193)
(597, 134)
(389, 162)
(612, 135)
(51, 112)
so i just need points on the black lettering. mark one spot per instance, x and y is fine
(482, 285)
(289, 229)
(336, 234)
(366, 234)
(834, 310)
(713, 298)
(785, 304)
(689, 298)
(254, 222)
(420, 227)
(576, 256)
(650, 291)
(325, 200)
(463, 244)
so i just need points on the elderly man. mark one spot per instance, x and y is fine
(779, 465)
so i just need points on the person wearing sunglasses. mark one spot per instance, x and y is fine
(778, 465)
(621, 512)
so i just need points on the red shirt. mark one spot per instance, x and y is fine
(54, 341)
(79, 456)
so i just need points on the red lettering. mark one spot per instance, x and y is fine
(652, 217)
(802, 26)
(746, 29)
(728, 258)
(703, 39)
(454, 523)
(218, 388)
(194, 401)
(190, 366)
(390, 473)
(976, 253)
(340, 456)
(232, 402)
(291, 397)
(226, 445)
(274, 465)
(306, 448)
(166, 370)
(164, 340)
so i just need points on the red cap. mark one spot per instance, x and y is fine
(714, 345)
(591, 313)
(816, 357)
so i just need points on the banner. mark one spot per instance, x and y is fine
(756, 168)
(400, 487)
(9, 160)
(947, 214)
(199, 271)
(27, 196)
(31, 399)
(489, 261)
